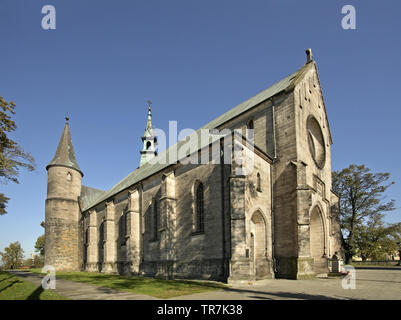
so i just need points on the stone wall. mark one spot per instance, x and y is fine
(62, 238)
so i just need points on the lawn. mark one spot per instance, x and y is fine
(13, 288)
(158, 288)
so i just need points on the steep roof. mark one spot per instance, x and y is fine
(149, 169)
(65, 155)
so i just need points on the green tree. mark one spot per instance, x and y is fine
(361, 198)
(376, 240)
(13, 256)
(12, 156)
(40, 245)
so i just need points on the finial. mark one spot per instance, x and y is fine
(66, 119)
(309, 56)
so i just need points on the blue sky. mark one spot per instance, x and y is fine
(194, 60)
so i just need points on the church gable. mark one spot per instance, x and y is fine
(308, 93)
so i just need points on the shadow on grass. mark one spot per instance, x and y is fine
(6, 278)
(10, 285)
(36, 294)
(160, 288)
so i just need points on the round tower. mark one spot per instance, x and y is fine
(62, 232)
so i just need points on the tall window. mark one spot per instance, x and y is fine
(87, 236)
(123, 228)
(258, 183)
(199, 210)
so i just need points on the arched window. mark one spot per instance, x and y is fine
(123, 228)
(148, 145)
(87, 236)
(199, 209)
(101, 234)
(250, 132)
(258, 183)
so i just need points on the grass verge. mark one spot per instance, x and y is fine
(158, 288)
(13, 288)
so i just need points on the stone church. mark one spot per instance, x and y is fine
(206, 221)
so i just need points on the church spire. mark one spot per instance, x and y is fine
(65, 155)
(149, 140)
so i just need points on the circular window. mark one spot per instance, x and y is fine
(316, 142)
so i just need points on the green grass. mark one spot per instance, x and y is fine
(13, 288)
(374, 265)
(158, 288)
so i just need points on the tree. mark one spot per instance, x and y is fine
(40, 245)
(12, 156)
(13, 256)
(376, 240)
(361, 198)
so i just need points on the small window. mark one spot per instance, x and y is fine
(258, 183)
(250, 124)
(250, 130)
(148, 145)
(69, 176)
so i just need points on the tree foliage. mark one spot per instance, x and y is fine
(361, 200)
(13, 256)
(12, 156)
(40, 245)
(376, 240)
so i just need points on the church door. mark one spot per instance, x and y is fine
(317, 241)
(258, 249)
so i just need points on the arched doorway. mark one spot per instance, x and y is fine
(258, 248)
(317, 238)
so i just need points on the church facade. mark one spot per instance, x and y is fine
(206, 221)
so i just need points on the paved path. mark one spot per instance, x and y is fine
(82, 291)
(371, 283)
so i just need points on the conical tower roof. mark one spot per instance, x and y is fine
(65, 155)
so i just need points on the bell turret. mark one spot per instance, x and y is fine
(149, 140)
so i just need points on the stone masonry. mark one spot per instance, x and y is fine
(210, 221)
